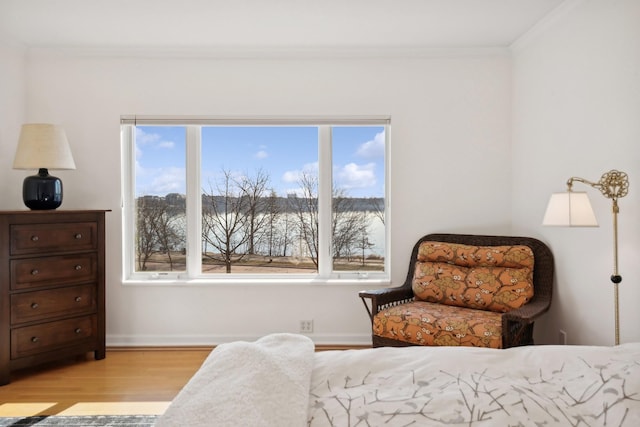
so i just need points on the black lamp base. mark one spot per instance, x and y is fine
(42, 191)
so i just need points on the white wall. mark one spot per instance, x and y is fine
(450, 165)
(577, 113)
(569, 99)
(12, 114)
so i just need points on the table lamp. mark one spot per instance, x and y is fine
(42, 146)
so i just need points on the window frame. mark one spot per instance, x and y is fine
(193, 273)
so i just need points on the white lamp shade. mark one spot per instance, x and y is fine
(570, 209)
(43, 146)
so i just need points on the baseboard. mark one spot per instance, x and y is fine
(319, 347)
(209, 341)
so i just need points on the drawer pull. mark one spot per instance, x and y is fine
(34, 238)
(34, 339)
(78, 299)
(78, 236)
(78, 267)
(78, 330)
(35, 272)
(34, 305)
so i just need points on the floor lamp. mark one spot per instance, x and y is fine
(573, 209)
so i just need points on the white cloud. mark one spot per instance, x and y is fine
(156, 181)
(168, 180)
(153, 139)
(144, 138)
(353, 175)
(373, 148)
(262, 154)
(293, 176)
(166, 144)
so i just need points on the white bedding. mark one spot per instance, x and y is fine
(462, 386)
(416, 386)
(247, 384)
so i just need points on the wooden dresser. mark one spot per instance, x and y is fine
(52, 297)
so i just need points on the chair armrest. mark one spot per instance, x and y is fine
(517, 325)
(528, 312)
(383, 297)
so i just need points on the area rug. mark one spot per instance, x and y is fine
(81, 421)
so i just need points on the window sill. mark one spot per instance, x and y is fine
(256, 282)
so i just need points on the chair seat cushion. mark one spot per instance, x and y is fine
(425, 323)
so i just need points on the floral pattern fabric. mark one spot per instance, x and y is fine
(461, 292)
(426, 323)
(495, 278)
(517, 256)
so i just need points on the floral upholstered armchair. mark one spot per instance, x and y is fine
(465, 290)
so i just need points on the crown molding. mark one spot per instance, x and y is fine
(270, 52)
(544, 24)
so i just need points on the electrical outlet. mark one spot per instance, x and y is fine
(306, 326)
(562, 337)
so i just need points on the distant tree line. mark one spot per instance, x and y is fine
(243, 216)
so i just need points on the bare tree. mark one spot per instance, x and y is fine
(363, 242)
(224, 221)
(253, 191)
(305, 207)
(169, 236)
(272, 214)
(156, 230)
(146, 236)
(347, 224)
(377, 208)
(285, 236)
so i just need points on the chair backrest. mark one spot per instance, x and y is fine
(542, 270)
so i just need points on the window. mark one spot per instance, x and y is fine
(250, 199)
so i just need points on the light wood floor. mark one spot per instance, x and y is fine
(125, 382)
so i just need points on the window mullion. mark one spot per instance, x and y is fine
(387, 199)
(325, 177)
(194, 202)
(128, 201)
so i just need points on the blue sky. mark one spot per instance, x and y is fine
(281, 152)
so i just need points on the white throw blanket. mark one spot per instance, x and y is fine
(259, 384)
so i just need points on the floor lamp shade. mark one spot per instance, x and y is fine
(42, 146)
(570, 209)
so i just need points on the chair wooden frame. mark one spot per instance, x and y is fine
(517, 324)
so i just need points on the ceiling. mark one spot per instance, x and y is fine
(270, 23)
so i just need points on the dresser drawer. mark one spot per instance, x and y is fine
(61, 237)
(42, 305)
(50, 336)
(31, 273)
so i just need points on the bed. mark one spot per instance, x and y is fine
(279, 380)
